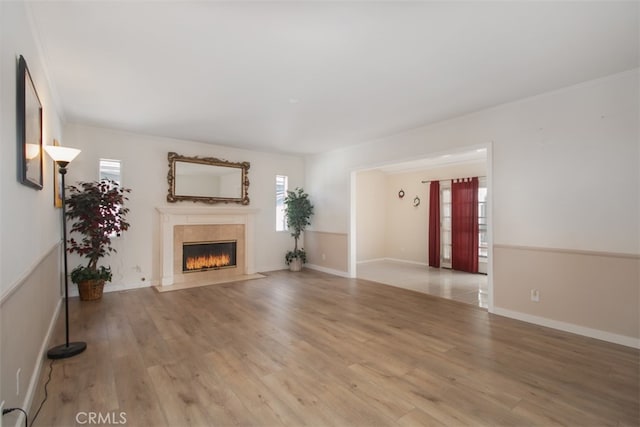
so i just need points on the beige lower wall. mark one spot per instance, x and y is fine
(327, 250)
(26, 313)
(592, 290)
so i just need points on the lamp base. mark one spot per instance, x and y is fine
(63, 351)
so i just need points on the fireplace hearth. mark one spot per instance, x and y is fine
(204, 256)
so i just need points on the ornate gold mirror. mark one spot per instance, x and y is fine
(207, 180)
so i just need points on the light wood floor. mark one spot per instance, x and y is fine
(313, 349)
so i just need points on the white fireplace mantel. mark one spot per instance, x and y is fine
(170, 216)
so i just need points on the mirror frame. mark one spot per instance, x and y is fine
(172, 197)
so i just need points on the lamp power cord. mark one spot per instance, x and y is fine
(10, 410)
(46, 395)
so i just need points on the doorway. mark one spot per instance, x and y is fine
(389, 227)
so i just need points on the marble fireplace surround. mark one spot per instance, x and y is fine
(173, 222)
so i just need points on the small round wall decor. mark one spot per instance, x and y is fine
(416, 202)
(401, 193)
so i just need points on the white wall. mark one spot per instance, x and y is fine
(29, 223)
(564, 171)
(552, 155)
(144, 171)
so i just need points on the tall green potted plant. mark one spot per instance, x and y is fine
(298, 210)
(97, 212)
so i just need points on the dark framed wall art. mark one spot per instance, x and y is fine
(29, 122)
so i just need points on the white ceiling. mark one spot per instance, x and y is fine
(307, 77)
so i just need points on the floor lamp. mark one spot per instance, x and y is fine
(63, 156)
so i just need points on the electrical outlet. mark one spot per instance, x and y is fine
(535, 295)
(324, 257)
(18, 381)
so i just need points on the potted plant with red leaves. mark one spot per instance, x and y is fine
(96, 211)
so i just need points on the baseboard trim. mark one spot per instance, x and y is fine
(328, 270)
(368, 261)
(37, 369)
(405, 261)
(569, 327)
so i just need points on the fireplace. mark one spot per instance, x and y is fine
(217, 252)
(203, 256)
(181, 225)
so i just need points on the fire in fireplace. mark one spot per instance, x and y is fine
(201, 256)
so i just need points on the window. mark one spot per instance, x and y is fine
(483, 243)
(282, 185)
(110, 169)
(445, 224)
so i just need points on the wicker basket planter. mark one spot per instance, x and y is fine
(91, 290)
(295, 264)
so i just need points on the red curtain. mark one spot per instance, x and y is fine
(464, 225)
(434, 224)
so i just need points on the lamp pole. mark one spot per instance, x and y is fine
(63, 156)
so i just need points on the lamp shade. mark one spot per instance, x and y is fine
(61, 154)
